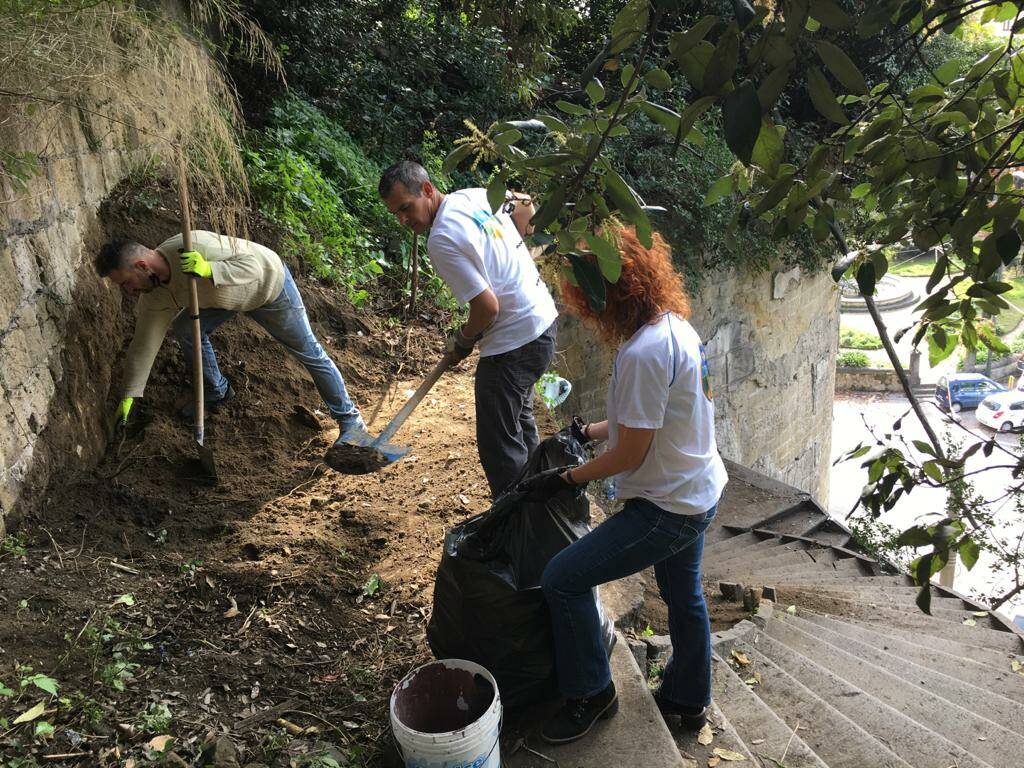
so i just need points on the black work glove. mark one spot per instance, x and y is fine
(542, 486)
(459, 346)
(578, 430)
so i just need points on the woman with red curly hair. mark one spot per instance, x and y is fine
(661, 451)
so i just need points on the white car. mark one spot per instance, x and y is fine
(1003, 411)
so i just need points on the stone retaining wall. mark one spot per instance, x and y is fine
(867, 380)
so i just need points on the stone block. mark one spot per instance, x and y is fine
(659, 647)
(639, 650)
(740, 365)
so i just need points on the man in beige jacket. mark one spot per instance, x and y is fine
(235, 276)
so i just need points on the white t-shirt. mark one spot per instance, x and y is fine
(473, 250)
(660, 381)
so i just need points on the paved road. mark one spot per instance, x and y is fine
(856, 417)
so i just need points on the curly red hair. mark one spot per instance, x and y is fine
(649, 286)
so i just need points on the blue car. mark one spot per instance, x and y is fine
(964, 390)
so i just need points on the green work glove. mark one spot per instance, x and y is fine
(123, 409)
(194, 263)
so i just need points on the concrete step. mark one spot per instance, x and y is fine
(998, 678)
(860, 590)
(969, 695)
(980, 736)
(834, 737)
(849, 568)
(637, 735)
(730, 544)
(998, 659)
(912, 619)
(920, 746)
(830, 532)
(725, 737)
(795, 520)
(772, 560)
(756, 722)
(833, 602)
(754, 552)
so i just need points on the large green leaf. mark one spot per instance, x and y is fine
(496, 192)
(694, 63)
(694, 111)
(768, 148)
(456, 156)
(550, 208)
(658, 78)
(681, 42)
(829, 14)
(663, 116)
(841, 67)
(772, 86)
(719, 190)
(741, 118)
(588, 278)
(571, 109)
(822, 97)
(595, 91)
(625, 200)
(723, 61)
(608, 259)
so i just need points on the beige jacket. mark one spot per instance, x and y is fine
(246, 276)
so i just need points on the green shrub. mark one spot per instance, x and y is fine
(851, 338)
(310, 177)
(852, 360)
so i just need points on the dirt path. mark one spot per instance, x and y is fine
(159, 608)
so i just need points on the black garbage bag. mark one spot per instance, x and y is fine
(488, 604)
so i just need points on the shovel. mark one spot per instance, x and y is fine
(362, 453)
(202, 470)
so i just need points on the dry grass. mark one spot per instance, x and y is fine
(130, 71)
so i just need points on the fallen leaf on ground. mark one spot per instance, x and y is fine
(706, 735)
(1016, 666)
(728, 754)
(791, 609)
(713, 761)
(970, 622)
(740, 656)
(159, 743)
(979, 614)
(233, 611)
(29, 715)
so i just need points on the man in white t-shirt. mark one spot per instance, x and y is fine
(482, 258)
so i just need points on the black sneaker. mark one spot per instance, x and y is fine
(187, 412)
(690, 718)
(577, 716)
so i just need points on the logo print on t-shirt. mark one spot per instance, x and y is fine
(705, 375)
(489, 223)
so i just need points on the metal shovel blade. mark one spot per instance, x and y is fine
(359, 453)
(202, 469)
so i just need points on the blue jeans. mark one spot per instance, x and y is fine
(285, 319)
(639, 536)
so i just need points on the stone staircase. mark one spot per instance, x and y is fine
(837, 668)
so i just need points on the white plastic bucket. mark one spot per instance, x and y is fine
(554, 389)
(447, 714)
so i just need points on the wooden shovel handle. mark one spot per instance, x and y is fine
(418, 395)
(193, 304)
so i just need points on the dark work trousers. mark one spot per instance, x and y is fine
(505, 430)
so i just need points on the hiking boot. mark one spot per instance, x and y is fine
(690, 718)
(577, 716)
(188, 413)
(344, 431)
